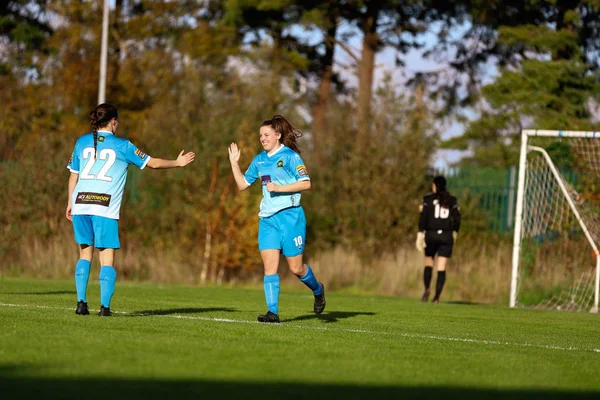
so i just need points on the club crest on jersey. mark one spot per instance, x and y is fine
(301, 170)
(101, 139)
(280, 164)
(140, 153)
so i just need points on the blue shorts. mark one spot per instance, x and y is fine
(93, 230)
(285, 231)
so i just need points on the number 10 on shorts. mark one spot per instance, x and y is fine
(298, 241)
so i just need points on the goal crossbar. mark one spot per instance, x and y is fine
(572, 134)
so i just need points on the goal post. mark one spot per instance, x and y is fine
(549, 208)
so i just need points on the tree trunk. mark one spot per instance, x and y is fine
(566, 52)
(366, 67)
(221, 274)
(319, 126)
(115, 44)
(206, 256)
(419, 110)
(210, 225)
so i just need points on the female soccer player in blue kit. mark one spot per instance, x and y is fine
(282, 227)
(98, 168)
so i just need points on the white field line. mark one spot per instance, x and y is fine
(333, 329)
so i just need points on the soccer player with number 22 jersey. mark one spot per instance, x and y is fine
(98, 168)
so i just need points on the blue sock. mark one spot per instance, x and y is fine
(108, 277)
(82, 276)
(310, 281)
(271, 285)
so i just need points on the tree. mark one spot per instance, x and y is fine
(369, 190)
(24, 30)
(393, 24)
(548, 80)
(25, 27)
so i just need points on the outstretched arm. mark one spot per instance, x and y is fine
(181, 161)
(234, 158)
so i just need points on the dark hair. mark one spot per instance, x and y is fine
(442, 193)
(100, 116)
(289, 134)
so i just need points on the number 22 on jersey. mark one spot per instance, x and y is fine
(107, 155)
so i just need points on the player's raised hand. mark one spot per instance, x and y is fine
(185, 159)
(234, 153)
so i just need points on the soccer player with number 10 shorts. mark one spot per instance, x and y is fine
(282, 227)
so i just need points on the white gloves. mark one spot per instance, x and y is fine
(420, 243)
(454, 236)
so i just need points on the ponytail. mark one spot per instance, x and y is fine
(99, 117)
(442, 194)
(289, 134)
(94, 124)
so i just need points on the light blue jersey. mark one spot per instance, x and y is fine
(99, 190)
(283, 167)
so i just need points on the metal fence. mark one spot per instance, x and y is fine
(485, 193)
(490, 193)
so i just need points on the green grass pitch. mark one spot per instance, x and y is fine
(203, 342)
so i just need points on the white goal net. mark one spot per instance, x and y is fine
(556, 260)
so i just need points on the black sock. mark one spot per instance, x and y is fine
(439, 285)
(427, 276)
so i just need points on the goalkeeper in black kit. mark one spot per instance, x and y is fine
(439, 222)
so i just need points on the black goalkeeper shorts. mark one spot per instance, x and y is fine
(439, 242)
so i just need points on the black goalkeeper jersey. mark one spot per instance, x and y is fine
(436, 218)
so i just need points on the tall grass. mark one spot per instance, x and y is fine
(553, 265)
(478, 272)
